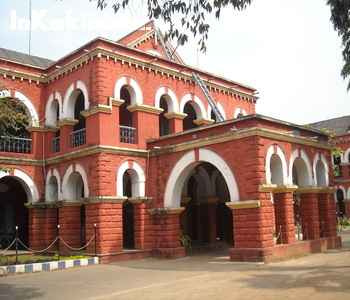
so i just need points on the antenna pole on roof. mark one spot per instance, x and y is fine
(30, 27)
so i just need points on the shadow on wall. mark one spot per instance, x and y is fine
(11, 292)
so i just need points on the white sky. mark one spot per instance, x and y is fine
(288, 50)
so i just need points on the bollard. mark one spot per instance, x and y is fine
(16, 245)
(95, 233)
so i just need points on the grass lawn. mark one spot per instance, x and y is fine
(31, 258)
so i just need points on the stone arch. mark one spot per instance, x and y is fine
(172, 101)
(137, 177)
(196, 103)
(27, 183)
(181, 170)
(275, 166)
(239, 112)
(70, 179)
(71, 96)
(133, 88)
(29, 107)
(50, 189)
(300, 161)
(320, 170)
(220, 108)
(51, 110)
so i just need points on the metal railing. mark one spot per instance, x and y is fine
(56, 144)
(127, 134)
(15, 144)
(78, 137)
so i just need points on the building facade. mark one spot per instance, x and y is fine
(124, 140)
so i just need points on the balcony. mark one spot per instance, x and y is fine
(78, 138)
(56, 144)
(15, 144)
(127, 135)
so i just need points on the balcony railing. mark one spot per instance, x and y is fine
(127, 134)
(78, 138)
(15, 144)
(56, 144)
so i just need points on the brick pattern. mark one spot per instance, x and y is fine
(310, 216)
(108, 219)
(144, 236)
(327, 214)
(284, 217)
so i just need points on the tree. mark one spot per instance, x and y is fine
(13, 117)
(184, 16)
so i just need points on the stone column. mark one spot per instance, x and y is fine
(175, 121)
(143, 227)
(70, 225)
(42, 227)
(310, 215)
(107, 214)
(327, 214)
(167, 230)
(284, 216)
(253, 229)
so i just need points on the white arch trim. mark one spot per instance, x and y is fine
(181, 170)
(279, 152)
(71, 169)
(199, 108)
(138, 182)
(238, 111)
(173, 106)
(53, 173)
(321, 157)
(220, 108)
(30, 107)
(346, 158)
(68, 108)
(138, 97)
(50, 114)
(29, 185)
(305, 158)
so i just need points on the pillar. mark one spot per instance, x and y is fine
(167, 230)
(253, 228)
(142, 226)
(70, 225)
(107, 215)
(42, 227)
(175, 121)
(66, 128)
(327, 214)
(284, 217)
(310, 216)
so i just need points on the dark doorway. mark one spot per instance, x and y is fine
(164, 127)
(340, 203)
(128, 214)
(78, 108)
(125, 116)
(12, 211)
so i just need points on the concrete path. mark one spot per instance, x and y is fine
(320, 276)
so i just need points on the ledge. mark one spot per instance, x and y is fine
(243, 204)
(67, 121)
(100, 108)
(104, 199)
(315, 190)
(175, 115)
(116, 102)
(277, 189)
(140, 200)
(145, 108)
(203, 122)
(41, 129)
(166, 211)
(41, 205)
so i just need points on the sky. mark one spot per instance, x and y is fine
(287, 50)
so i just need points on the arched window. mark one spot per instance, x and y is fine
(164, 126)
(340, 203)
(127, 126)
(78, 108)
(300, 173)
(52, 190)
(276, 170)
(188, 122)
(321, 173)
(213, 116)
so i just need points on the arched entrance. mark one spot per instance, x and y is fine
(207, 221)
(13, 196)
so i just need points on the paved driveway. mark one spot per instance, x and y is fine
(319, 276)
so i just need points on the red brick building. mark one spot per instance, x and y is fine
(340, 127)
(124, 136)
